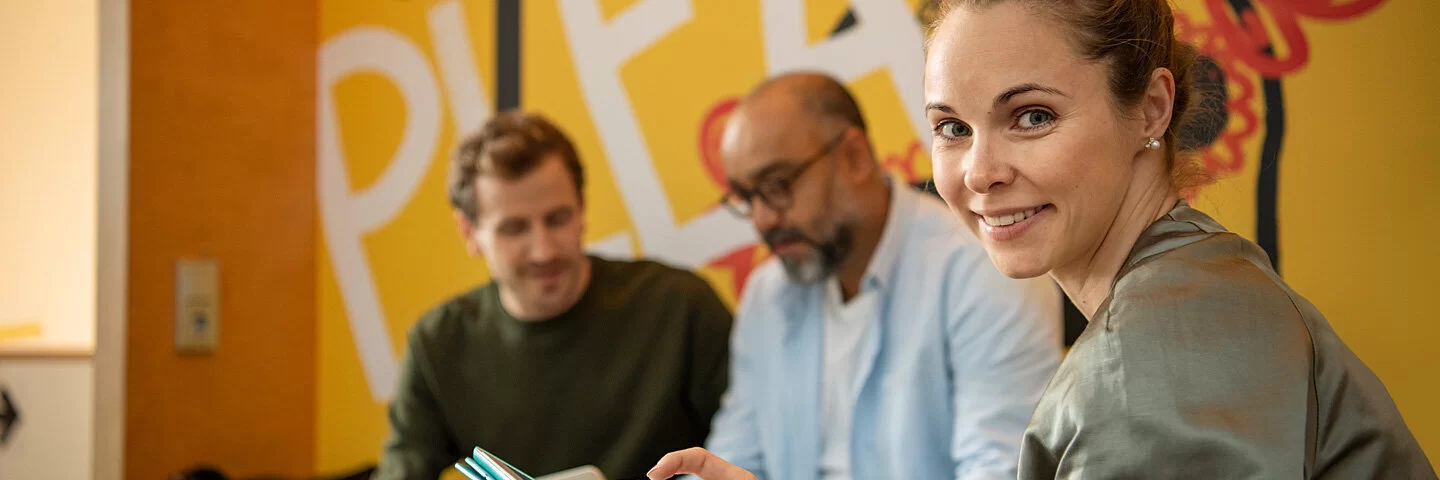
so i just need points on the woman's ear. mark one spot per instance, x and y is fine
(1159, 103)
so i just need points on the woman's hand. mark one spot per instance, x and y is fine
(699, 462)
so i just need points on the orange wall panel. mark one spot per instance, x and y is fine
(222, 160)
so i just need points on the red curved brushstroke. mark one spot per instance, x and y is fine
(1247, 42)
(739, 262)
(1327, 10)
(904, 162)
(711, 129)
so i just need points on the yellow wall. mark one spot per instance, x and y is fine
(1359, 195)
(222, 148)
(1352, 174)
(1356, 210)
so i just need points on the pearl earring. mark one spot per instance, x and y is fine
(1153, 144)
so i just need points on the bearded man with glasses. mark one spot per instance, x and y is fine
(881, 342)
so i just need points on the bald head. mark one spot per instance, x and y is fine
(817, 95)
(787, 117)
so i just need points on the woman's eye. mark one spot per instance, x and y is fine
(1035, 119)
(952, 130)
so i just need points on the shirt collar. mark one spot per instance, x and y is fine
(1179, 227)
(881, 270)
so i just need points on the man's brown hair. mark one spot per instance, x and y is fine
(510, 145)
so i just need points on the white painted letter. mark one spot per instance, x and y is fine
(451, 39)
(347, 216)
(886, 35)
(600, 49)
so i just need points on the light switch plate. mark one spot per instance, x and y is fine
(197, 305)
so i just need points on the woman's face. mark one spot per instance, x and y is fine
(1029, 149)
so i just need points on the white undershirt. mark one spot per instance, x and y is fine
(845, 325)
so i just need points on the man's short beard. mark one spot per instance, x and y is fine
(821, 258)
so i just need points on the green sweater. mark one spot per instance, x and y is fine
(634, 370)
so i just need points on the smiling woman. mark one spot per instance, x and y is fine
(1083, 112)
(1054, 127)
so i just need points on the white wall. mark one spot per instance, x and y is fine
(50, 237)
(54, 436)
(48, 168)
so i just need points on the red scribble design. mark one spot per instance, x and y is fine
(904, 162)
(1227, 154)
(1247, 42)
(1240, 53)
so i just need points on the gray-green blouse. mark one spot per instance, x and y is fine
(1202, 363)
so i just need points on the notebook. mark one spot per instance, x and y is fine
(483, 465)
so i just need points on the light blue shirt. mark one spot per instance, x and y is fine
(948, 376)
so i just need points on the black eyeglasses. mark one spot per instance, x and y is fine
(774, 190)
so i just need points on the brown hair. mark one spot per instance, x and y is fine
(1133, 38)
(510, 145)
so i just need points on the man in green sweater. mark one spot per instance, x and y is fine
(563, 359)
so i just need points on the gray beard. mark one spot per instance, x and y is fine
(821, 260)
